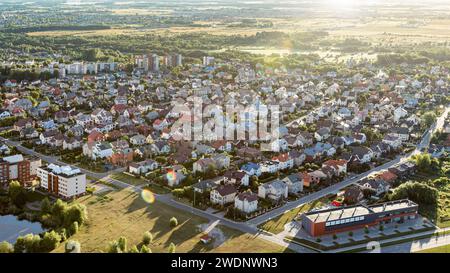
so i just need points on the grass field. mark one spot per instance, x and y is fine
(129, 179)
(122, 213)
(276, 225)
(440, 249)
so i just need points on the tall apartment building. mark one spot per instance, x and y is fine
(208, 60)
(62, 181)
(148, 63)
(173, 60)
(16, 167)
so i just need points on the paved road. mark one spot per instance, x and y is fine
(425, 142)
(55, 160)
(251, 225)
(165, 198)
(324, 192)
(417, 245)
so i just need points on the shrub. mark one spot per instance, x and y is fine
(72, 246)
(145, 249)
(172, 248)
(173, 222)
(350, 233)
(147, 238)
(6, 247)
(134, 249)
(334, 236)
(74, 228)
(29, 243)
(381, 227)
(50, 241)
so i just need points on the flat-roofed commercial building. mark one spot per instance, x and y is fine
(336, 220)
(62, 181)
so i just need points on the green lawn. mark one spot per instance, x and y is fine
(158, 189)
(440, 249)
(276, 225)
(129, 179)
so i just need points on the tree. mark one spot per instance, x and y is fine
(6, 247)
(172, 248)
(119, 246)
(14, 191)
(29, 243)
(75, 213)
(173, 222)
(74, 228)
(58, 211)
(123, 244)
(72, 246)
(134, 249)
(425, 163)
(145, 249)
(46, 206)
(50, 241)
(114, 247)
(148, 238)
(417, 192)
(428, 118)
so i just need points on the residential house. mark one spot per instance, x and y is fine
(252, 169)
(246, 202)
(142, 167)
(294, 183)
(236, 177)
(275, 190)
(223, 194)
(353, 195)
(204, 164)
(137, 140)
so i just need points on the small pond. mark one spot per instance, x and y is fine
(11, 228)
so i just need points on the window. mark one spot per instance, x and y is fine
(347, 220)
(327, 224)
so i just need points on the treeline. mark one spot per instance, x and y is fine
(54, 28)
(117, 46)
(64, 219)
(419, 57)
(25, 74)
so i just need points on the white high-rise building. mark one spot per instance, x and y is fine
(207, 60)
(63, 181)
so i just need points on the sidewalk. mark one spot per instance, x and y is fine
(399, 239)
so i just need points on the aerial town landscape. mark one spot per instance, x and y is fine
(232, 127)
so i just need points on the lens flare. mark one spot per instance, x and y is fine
(148, 196)
(171, 176)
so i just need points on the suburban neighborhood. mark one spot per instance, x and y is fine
(220, 150)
